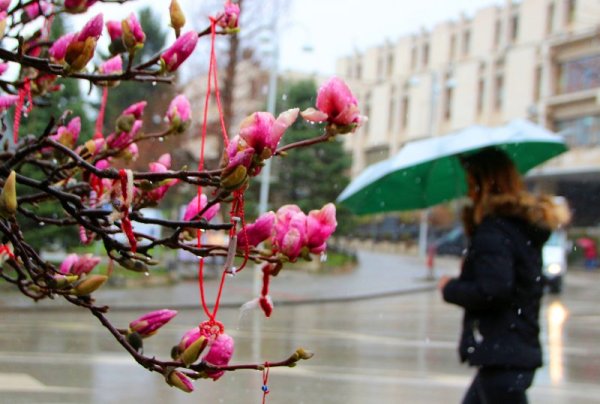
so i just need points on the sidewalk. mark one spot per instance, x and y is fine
(376, 275)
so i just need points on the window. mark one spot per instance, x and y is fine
(390, 64)
(582, 131)
(571, 7)
(425, 56)
(392, 111)
(466, 42)
(537, 83)
(498, 92)
(413, 57)
(448, 102)
(367, 111)
(405, 109)
(480, 95)
(550, 18)
(358, 70)
(452, 50)
(514, 28)
(580, 74)
(497, 33)
(380, 67)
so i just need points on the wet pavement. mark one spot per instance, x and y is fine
(397, 347)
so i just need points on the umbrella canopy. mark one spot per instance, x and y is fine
(428, 172)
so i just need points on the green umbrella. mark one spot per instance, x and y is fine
(427, 172)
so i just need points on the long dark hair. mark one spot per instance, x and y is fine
(494, 174)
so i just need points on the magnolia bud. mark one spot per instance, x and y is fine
(89, 284)
(136, 341)
(125, 122)
(133, 265)
(192, 352)
(79, 53)
(235, 178)
(303, 354)
(177, 379)
(8, 197)
(62, 281)
(177, 17)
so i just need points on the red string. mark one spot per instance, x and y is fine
(265, 386)
(24, 91)
(100, 118)
(237, 210)
(213, 59)
(125, 222)
(200, 168)
(5, 250)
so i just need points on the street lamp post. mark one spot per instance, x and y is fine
(265, 175)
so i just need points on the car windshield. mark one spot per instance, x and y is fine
(556, 239)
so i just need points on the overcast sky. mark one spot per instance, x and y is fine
(333, 28)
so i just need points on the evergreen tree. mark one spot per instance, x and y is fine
(128, 93)
(53, 104)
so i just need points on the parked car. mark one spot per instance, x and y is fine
(454, 242)
(554, 257)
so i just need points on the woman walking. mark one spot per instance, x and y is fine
(500, 285)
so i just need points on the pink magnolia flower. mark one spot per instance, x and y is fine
(132, 33)
(68, 135)
(3, 68)
(114, 30)
(189, 338)
(137, 109)
(229, 18)
(239, 154)
(179, 114)
(36, 9)
(262, 132)
(162, 165)
(92, 29)
(336, 105)
(165, 160)
(7, 101)
(78, 264)
(320, 225)
(193, 208)
(131, 153)
(113, 65)
(58, 50)
(181, 49)
(149, 323)
(219, 354)
(123, 139)
(82, 47)
(4, 5)
(78, 6)
(257, 232)
(290, 231)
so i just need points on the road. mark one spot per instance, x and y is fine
(393, 349)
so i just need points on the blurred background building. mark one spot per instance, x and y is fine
(535, 59)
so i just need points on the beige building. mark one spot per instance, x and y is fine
(535, 59)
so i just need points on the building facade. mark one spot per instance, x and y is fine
(535, 59)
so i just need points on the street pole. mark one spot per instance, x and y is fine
(265, 175)
(433, 100)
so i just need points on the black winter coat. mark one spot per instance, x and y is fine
(500, 288)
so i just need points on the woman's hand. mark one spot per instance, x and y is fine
(442, 282)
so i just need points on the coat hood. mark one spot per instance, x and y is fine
(538, 211)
